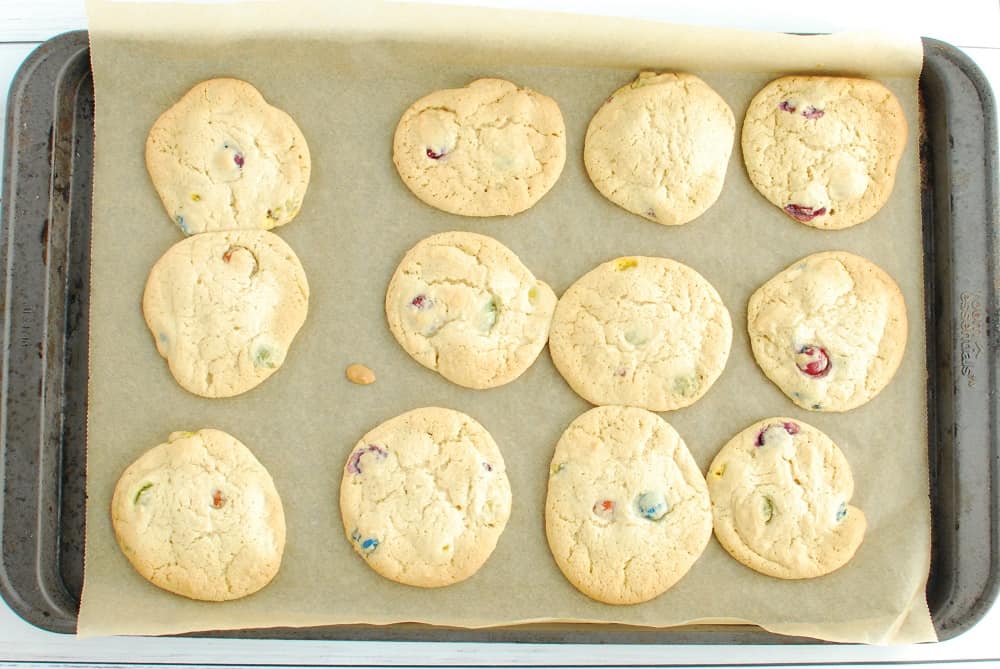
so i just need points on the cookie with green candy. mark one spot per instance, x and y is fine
(781, 492)
(199, 516)
(465, 306)
(641, 331)
(224, 307)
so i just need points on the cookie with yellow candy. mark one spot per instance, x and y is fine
(223, 158)
(781, 492)
(641, 331)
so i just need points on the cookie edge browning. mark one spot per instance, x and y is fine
(667, 78)
(900, 137)
(300, 280)
(446, 206)
(278, 524)
(758, 563)
(897, 309)
(494, 452)
(151, 158)
(707, 529)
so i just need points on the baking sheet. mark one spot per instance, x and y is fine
(346, 74)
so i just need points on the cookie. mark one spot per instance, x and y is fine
(465, 306)
(489, 149)
(641, 331)
(659, 147)
(627, 511)
(222, 158)
(199, 516)
(829, 331)
(781, 494)
(224, 307)
(824, 149)
(425, 497)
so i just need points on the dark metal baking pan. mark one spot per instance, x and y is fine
(44, 251)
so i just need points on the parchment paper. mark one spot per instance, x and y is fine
(346, 75)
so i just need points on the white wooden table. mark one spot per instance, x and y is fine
(973, 25)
